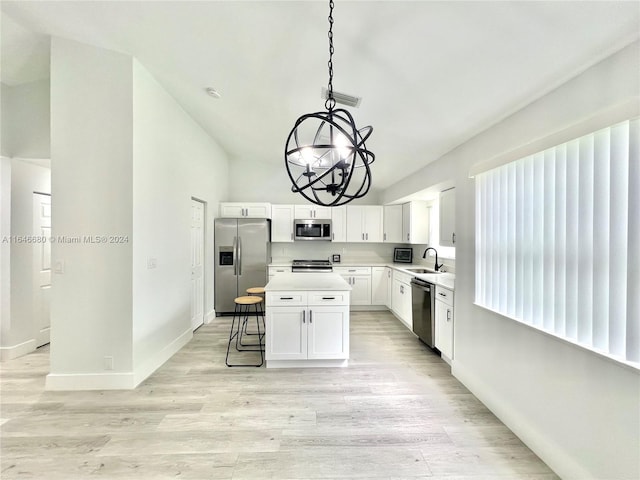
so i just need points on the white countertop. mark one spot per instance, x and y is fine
(445, 279)
(307, 281)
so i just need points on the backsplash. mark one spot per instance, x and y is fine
(351, 253)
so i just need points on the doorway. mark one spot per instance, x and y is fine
(197, 262)
(42, 267)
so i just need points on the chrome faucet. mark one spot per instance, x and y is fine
(436, 267)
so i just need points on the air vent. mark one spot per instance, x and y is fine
(343, 98)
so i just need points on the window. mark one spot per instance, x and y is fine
(558, 241)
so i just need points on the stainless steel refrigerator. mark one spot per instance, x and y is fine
(242, 253)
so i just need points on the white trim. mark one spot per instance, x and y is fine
(155, 362)
(630, 108)
(15, 351)
(89, 381)
(307, 363)
(210, 317)
(550, 453)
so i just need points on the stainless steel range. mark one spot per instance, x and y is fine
(317, 266)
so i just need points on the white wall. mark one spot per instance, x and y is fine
(174, 160)
(578, 411)
(251, 181)
(18, 328)
(92, 187)
(26, 120)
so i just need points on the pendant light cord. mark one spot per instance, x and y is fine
(330, 102)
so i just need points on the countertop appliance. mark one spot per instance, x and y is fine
(315, 229)
(311, 266)
(423, 303)
(403, 255)
(242, 252)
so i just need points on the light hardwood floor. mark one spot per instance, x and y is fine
(395, 413)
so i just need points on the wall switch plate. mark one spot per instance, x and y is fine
(58, 266)
(152, 262)
(108, 363)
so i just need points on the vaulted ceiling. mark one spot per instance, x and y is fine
(431, 74)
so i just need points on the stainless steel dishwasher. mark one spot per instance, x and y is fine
(423, 300)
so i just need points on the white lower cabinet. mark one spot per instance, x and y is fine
(360, 280)
(444, 322)
(401, 298)
(381, 286)
(314, 326)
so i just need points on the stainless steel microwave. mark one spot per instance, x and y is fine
(316, 229)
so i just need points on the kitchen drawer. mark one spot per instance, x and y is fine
(402, 277)
(328, 298)
(276, 270)
(352, 270)
(287, 298)
(444, 295)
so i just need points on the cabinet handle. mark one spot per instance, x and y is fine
(333, 236)
(310, 316)
(448, 315)
(328, 298)
(384, 236)
(401, 289)
(291, 235)
(453, 238)
(363, 236)
(367, 236)
(407, 237)
(442, 294)
(389, 274)
(286, 298)
(352, 270)
(304, 315)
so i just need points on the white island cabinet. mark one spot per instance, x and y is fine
(307, 320)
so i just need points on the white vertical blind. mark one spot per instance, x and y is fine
(558, 240)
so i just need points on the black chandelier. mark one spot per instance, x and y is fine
(325, 154)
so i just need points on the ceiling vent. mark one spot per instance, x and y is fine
(343, 98)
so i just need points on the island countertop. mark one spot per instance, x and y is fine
(307, 281)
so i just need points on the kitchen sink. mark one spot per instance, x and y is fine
(421, 270)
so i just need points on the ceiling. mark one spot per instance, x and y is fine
(431, 74)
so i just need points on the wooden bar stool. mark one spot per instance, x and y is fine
(242, 310)
(255, 291)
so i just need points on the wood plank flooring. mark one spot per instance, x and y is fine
(395, 413)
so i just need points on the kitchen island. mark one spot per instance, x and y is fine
(307, 320)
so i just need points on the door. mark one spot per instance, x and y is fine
(380, 277)
(197, 263)
(339, 224)
(328, 332)
(42, 267)
(361, 290)
(286, 333)
(392, 224)
(253, 253)
(226, 264)
(282, 223)
(448, 217)
(355, 223)
(373, 223)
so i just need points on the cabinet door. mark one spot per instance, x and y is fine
(361, 290)
(397, 298)
(415, 222)
(231, 210)
(392, 222)
(323, 213)
(328, 332)
(380, 285)
(339, 224)
(282, 223)
(373, 223)
(257, 210)
(389, 286)
(448, 217)
(303, 212)
(444, 329)
(286, 333)
(355, 223)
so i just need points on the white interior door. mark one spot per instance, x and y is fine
(197, 263)
(42, 267)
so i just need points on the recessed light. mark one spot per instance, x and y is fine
(212, 92)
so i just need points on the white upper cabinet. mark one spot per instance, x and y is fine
(448, 218)
(245, 210)
(282, 223)
(339, 224)
(306, 212)
(392, 224)
(364, 223)
(415, 222)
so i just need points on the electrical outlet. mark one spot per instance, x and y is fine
(108, 363)
(58, 266)
(152, 262)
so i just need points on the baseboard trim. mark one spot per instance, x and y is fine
(545, 448)
(89, 381)
(152, 364)
(15, 351)
(210, 317)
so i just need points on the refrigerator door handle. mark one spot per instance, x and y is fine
(239, 255)
(235, 255)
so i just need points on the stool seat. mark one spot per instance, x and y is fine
(247, 300)
(255, 290)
